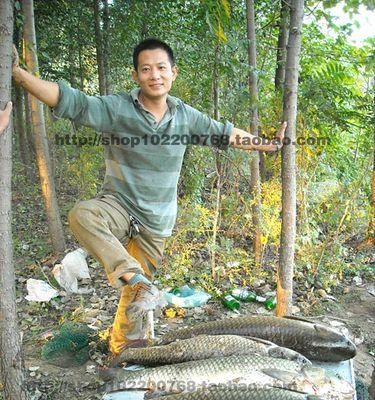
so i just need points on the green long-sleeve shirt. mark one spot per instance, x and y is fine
(143, 158)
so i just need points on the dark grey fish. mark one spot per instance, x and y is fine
(315, 341)
(205, 346)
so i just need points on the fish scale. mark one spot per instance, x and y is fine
(241, 394)
(314, 341)
(204, 346)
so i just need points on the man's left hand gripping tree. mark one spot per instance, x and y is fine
(5, 117)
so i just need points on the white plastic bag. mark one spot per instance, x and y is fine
(39, 290)
(72, 267)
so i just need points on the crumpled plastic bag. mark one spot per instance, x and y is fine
(187, 297)
(73, 267)
(39, 290)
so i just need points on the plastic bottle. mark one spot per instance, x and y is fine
(270, 303)
(186, 297)
(230, 302)
(246, 295)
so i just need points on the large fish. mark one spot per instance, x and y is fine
(315, 341)
(217, 393)
(255, 371)
(205, 346)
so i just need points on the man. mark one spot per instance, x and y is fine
(4, 117)
(145, 136)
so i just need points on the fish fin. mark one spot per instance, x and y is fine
(259, 340)
(298, 319)
(284, 376)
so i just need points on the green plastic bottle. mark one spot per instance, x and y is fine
(230, 302)
(246, 296)
(270, 303)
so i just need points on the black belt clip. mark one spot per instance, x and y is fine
(134, 227)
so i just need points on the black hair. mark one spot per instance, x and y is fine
(152, 44)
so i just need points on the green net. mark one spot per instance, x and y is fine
(69, 347)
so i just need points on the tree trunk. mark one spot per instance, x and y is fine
(11, 363)
(106, 47)
(372, 216)
(99, 48)
(215, 92)
(28, 124)
(19, 125)
(40, 137)
(18, 108)
(253, 88)
(288, 166)
(281, 46)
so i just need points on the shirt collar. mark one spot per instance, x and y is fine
(171, 101)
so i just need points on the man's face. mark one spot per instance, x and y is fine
(155, 73)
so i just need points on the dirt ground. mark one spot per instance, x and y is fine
(353, 308)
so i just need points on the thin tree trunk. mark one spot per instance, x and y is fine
(28, 123)
(99, 48)
(18, 108)
(215, 92)
(281, 45)
(253, 88)
(19, 124)
(288, 168)
(11, 363)
(106, 47)
(40, 137)
(372, 216)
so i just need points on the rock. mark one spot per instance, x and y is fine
(257, 283)
(359, 340)
(91, 369)
(265, 289)
(357, 280)
(295, 310)
(336, 324)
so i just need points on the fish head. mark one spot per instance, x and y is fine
(283, 352)
(332, 344)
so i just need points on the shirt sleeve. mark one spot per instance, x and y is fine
(207, 131)
(97, 112)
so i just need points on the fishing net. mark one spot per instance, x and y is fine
(69, 347)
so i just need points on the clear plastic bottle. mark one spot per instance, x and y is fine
(246, 296)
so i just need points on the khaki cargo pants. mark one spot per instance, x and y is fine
(104, 229)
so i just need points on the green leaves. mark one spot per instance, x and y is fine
(217, 17)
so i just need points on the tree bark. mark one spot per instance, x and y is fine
(215, 93)
(20, 125)
(40, 137)
(288, 166)
(106, 47)
(99, 48)
(11, 363)
(254, 127)
(372, 216)
(281, 46)
(28, 124)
